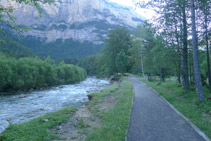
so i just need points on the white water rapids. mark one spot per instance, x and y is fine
(22, 108)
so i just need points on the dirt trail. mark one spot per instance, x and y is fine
(83, 121)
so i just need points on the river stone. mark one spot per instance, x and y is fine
(3, 125)
(22, 96)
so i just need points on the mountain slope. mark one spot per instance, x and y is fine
(13, 46)
(86, 21)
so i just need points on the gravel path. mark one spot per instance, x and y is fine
(152, 119)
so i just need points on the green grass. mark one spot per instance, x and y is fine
(96, 97)
(187, 103)
(114, 122)
(37, 129)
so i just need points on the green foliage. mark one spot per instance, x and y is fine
(31, 73)
(61, 50)
(118, 40)
(121, 62)
(136, 56)
(37, 129)
(12, 45)
(8, 20)
(156, 55)
(94, 65)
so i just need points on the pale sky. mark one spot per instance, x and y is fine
(148, 14)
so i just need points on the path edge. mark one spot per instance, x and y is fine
(130, 110)
(202, 134)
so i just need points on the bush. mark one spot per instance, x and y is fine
(31, 73)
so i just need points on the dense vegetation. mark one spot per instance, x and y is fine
(27, 73)
(115, 57)
(94, 66)
(61, 50)
(12, 45)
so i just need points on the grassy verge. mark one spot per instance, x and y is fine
(37, 129)
(114, 122)
(186, 102)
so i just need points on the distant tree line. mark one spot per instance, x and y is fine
(27, 73)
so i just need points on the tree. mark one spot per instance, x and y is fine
(197, 76)
(10, 20)
(204, 6)
(121, 62)
(174, 15)
(185, 45)
(136, 56)
(118, 40)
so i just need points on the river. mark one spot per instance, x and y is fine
(24, 107)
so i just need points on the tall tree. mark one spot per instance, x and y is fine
(185, 46)
(197, 76)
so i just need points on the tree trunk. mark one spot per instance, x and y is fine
(191, 73)
(208, 56)
(142, 64)
(179, 59)
(185, 50)
(198, 84)
(161, 77)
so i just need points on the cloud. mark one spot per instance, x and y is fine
(148, 14)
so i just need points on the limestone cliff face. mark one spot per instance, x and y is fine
(84, 20)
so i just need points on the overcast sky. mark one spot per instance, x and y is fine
(148, 14)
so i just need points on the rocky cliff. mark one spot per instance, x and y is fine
(83, 20)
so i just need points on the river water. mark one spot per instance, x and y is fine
(24, 107)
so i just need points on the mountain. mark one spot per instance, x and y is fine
(73, 21)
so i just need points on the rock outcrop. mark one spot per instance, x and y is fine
(84, 20)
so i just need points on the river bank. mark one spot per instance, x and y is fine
(21, 108)
(100, 118)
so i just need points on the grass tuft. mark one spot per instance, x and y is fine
(37, 129)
